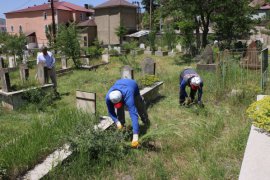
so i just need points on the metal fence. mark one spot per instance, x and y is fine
(237, 68)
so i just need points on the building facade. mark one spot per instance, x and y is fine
(110, 15)
(33, 21)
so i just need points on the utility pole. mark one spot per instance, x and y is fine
(53, 21)
(150, 15)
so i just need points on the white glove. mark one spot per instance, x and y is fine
(119, 125)
(135, 141)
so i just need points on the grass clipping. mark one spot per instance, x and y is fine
(259, 112)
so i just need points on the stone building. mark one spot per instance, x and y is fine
(109, 16)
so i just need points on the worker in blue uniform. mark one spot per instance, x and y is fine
(125, 92)
(189, 77)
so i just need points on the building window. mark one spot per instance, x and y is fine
(12, 29)
(85, 44)
(45, 15)
(81, 16)
(20, 29)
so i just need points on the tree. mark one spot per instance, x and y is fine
(187, 38)
(67, 42)
(13, 44)
(121, 31)
(146, 5)
(169, 36)
(232, 21)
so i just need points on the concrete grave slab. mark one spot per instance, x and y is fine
(86, 101)
(256, 161)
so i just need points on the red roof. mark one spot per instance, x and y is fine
(265, 7)
(114, 3)
(57, 5)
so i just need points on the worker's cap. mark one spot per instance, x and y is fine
(195, 82)
(116, 97)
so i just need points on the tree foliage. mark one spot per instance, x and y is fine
(12, 44)
(67, 42)
(232, 21)
(121, 31)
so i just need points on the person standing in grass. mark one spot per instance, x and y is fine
(189, 77)
(48, 59)
(125, 92)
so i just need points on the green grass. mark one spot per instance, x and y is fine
(182, 143)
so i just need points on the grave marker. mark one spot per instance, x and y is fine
(64, 62)
(42, 73)
(86, 101)
(24, 72)
(4, 74)
(127, 73)
(149, 66)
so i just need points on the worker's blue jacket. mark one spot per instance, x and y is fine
(185, 78)
(129, 90)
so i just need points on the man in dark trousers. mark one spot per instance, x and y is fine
(125, 92)
(189, 77)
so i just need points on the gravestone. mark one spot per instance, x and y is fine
(42, 73)
(11, 62)
(24, 72)
(127, 73)
(148, 51)
(148, 66)
(251, 58)
(64, 62)
(4, 74)
(142, 46)
(172, 53)
(159, 52)
(105, 58)
(207, 55)
(86, 61)
(118, 49)
(178, 48)
(206, 60)
(86, 101)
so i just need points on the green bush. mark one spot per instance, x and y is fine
(147, 80)
(259, 112)
(106, 145)
(130, 46)
(39, 97)
(94, 51)
(113, 52)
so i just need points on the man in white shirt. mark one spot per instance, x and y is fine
(47, 58)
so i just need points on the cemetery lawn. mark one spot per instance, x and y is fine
(181, 143)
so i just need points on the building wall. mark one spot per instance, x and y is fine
(30, 22)
(109, 19)
(35, 22)
(129, 18)
(90, 33)
(64, 16)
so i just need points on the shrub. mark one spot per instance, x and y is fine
(94, 51)
(113, 52)
(130, 46)
(259, 112)
(99, 145)
(147, 80)
(38, 97)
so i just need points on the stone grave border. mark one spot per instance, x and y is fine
(13, 100)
